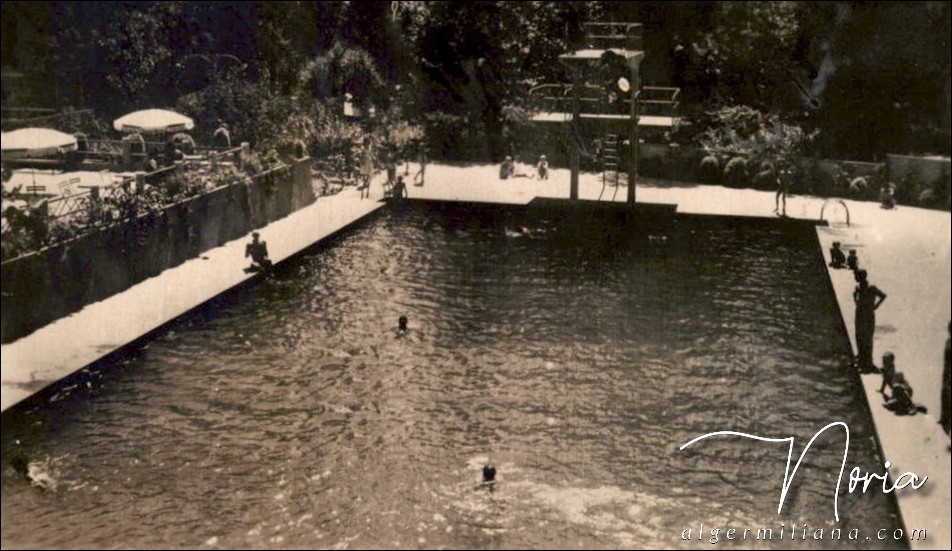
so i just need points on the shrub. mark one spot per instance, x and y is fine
(735, 173)
(710, 170)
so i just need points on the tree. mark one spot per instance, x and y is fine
(479, 57)
(752, 49)
(888, 86)
(141, 45)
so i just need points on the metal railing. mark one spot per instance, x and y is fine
(70, 200)
(70, 203)
(597, 100)
(835, 202)
(614, 35)
(659, 100)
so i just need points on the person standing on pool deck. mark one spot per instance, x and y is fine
(783, 187)
(946, 419)
(420, 177)
(543, 168)
(399, 190)
(867, 298)
(366, 168)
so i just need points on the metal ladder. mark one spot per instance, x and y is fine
(610, 164)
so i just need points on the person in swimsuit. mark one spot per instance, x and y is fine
(402, 328)
(783, 187)
(889, 373)
(867, 298)
(258, 251)
(837, 258)
(852, 261)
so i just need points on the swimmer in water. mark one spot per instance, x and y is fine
(489, 478)
(21, 465)
(34, 473)
(402, 329)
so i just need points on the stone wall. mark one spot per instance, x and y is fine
(46, 285)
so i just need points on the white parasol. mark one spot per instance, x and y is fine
(153, 121)
(36, 142)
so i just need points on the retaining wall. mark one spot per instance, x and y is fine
(46, 285)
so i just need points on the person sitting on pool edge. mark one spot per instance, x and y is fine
(901, 402)
(852, 261)
(258, 251)
(887, 196)
(507, 168)
(399, 191)
(837, 258)
(889, 373)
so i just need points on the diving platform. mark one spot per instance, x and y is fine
(588, 54)
(653, 121)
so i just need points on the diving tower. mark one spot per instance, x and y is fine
(606, 96)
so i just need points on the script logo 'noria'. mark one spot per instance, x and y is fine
(856, 476)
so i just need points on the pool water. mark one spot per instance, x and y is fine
(575, 357)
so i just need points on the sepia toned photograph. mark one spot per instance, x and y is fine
(476, 275)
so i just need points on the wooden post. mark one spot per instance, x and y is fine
(576, 131)
(634, 149)
(245, 147)
(127, 154)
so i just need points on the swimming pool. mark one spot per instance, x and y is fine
(575, 355)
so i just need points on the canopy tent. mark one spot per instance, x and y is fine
(153, 121)
(35, 142)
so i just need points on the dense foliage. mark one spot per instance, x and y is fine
(867, 78)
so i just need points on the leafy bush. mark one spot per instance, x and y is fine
(710, 170)
(735, 172)
(743, 130)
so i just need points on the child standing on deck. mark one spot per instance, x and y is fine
(543, 168)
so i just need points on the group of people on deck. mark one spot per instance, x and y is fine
(896, 390)
(513, 169)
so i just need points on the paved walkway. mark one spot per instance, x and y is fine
(71, 343)
(906, 253)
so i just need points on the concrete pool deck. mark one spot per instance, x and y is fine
(69, 344)
(907, 253)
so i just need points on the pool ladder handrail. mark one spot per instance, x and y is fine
(842, 203)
